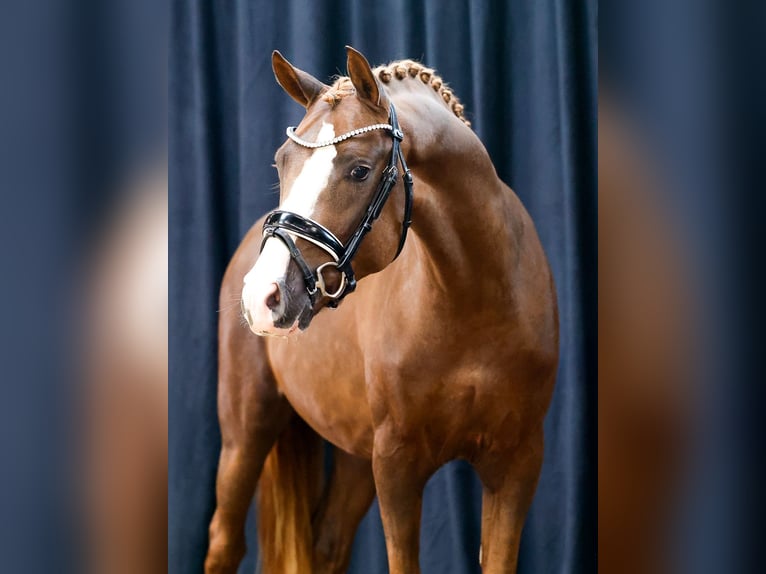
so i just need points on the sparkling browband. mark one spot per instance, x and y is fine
(340, 138)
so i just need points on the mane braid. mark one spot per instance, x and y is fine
(400, 70)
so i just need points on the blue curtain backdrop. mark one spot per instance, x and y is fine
(526, 72)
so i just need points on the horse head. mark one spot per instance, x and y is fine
(339, 172)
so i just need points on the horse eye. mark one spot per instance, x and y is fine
(360, 172)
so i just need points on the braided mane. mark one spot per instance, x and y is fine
(400, 70)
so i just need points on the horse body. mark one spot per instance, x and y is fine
(448, 352)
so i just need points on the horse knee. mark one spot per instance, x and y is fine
(331, 554)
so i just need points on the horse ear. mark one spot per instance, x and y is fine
(302, 87)
(360, 73)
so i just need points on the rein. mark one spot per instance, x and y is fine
(281, 224)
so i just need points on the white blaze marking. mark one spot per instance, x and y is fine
(313, 178)
(272, 263)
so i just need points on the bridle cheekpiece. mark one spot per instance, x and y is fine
(283, 225)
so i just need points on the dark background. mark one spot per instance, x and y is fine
(526, 72)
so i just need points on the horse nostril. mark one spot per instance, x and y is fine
(273, 299)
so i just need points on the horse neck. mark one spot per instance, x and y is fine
(464, 212)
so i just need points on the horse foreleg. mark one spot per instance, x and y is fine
(400, 472)
(509, 480)
(252, 413)
(346, 499)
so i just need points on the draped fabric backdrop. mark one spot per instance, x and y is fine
(526, 72)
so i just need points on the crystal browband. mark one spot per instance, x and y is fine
(291, 134)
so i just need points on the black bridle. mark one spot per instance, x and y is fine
(283, 224)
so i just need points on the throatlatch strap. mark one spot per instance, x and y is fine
(407, 221)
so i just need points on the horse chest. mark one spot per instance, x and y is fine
(421, 381)
(324, 382)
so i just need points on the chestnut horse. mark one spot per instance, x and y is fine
(447, 350)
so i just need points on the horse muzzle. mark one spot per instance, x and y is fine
(276, 306)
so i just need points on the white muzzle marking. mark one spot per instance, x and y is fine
(271, 265)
